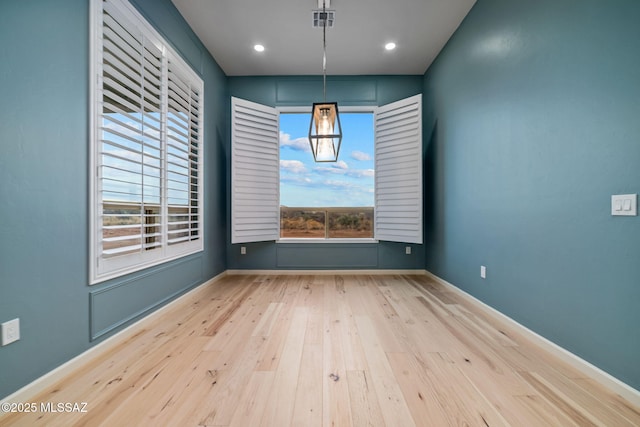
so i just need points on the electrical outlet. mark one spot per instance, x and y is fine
(243, 250)
(407, 250)
(483, 272)
(10, 331)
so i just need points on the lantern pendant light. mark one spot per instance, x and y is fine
(325, 132)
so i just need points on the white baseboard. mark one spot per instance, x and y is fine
(26, 393)
(325, 272)
(607, 380)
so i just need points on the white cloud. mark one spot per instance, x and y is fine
(360, 156)
(341, 164)
(362, 173)
(301, 191)
(339, 168)
(337, 184)
(342, 168)
(293, 166)
(302, 181)
(298, 144)
(329, 170)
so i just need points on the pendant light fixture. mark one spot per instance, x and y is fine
(325, 132)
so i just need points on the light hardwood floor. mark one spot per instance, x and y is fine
(327, 350)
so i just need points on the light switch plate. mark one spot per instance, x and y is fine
(624, 205)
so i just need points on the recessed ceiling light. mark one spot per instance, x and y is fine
(258, 48)
(390, 46)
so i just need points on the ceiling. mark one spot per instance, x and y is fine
(355, 45)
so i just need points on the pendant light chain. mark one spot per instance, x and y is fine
(324, 51)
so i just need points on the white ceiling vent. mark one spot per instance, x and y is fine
(318, 18)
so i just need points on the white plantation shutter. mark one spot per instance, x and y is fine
(255, 180)
(398, 179)
(146, 147)
(184, 171)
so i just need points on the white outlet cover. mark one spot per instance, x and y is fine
(10, 331)
(483, 272)
(624, 205)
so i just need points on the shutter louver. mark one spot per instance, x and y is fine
(398, 158)
(255, 172)
(183, 153)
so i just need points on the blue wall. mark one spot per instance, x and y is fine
(303, 91)
(44, 153)
(533, 114)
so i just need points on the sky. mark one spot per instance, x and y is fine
(349, 182)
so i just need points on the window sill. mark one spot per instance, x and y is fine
(335, 240)
(123, 266)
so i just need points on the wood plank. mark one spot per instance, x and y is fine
(336, 409)
(419, 390)
(464, 403)
(537, 411)
(254, 399)
(365, 410)
(280, 403)
(307, 410)
(232, 381)
(315, 322)
(394, 408)
(286, 291)
(603, 401)
(559, 400)
(199, 379)
(268, 319)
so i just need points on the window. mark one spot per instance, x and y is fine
(256, 168)
(327, 200)
(146, 146)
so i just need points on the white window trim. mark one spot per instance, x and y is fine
(327, 240)
(164, 253)
(341, 109)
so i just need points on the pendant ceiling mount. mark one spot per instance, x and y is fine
(325, 132)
